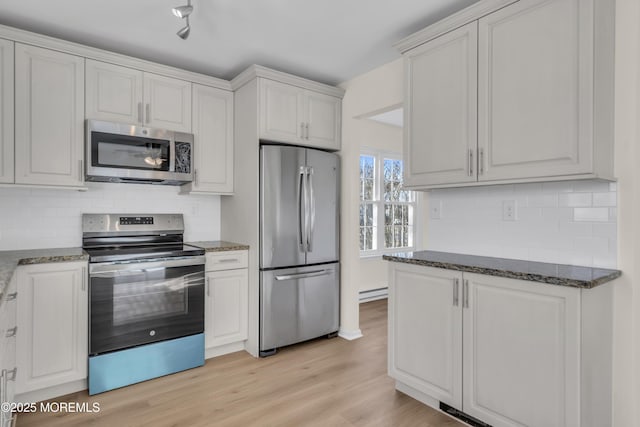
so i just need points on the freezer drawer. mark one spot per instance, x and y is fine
(298, 304)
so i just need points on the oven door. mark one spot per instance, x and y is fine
(138, 303)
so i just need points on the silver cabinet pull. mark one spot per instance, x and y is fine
(10, 375)
(456, 282)
(465, 294)
(80, 170)
(11, 332)
(301, 130)
(12, 296)
(481, 161)
(148, 113)
(470, 162)
(208, 287)
(228, 260)
(315, 273)
(195, 177)
(306, 126)
(140, 112)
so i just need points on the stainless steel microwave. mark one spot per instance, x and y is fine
(118, 152)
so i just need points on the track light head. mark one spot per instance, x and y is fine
(183, 33)
(182, 11)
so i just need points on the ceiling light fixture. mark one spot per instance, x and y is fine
(183, 12)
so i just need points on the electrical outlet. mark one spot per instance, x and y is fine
(508, 210)
(435, 209)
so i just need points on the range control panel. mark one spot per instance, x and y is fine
(136, 220)
(124, 224)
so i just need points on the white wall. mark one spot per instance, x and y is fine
(626, 335)
(572, 222)
(369, 92)
(42, 218)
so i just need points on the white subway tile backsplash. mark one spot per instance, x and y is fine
(569, 222)
(604, 199)
(40, 218)
(591, 214)
(574, 200)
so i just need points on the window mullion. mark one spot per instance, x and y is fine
(380, 200)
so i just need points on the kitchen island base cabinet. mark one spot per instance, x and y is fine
(52, 318)
(523, 353)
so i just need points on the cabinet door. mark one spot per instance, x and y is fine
(323, 117)
(52, 325)
(226, 308)
(425, 330)
(167, 103)
(536, 89)
(281, 112)
(49, 117)
(441, 112)
(521, 352)
(114, 93)
(6, 111)
(213, 134)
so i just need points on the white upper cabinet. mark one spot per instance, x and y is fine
(121, 94)
(522, 93)
(299, 116)
(440, 135)
(49, 117)
(213, 141)
(281, 111)
(114, 93)
(6, 111)
(535, 84)
(167, 103)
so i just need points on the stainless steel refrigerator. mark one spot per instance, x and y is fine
(299, 245)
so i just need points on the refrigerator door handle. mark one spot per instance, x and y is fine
(312, 210)
(315, 273)
(302, 209)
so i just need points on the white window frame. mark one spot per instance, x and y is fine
(379, 202)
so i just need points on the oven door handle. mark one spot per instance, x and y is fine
(144, 266)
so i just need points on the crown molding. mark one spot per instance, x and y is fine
(77, 49)
(255, 71)
(458, 19)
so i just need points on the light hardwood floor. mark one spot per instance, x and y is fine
(332, 383)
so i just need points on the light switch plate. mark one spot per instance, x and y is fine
(435, 209)
(508, 210)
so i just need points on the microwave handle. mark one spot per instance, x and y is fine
(172, 155)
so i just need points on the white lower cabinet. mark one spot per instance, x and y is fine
(53, 326)
(226, 302)
(8, 336)
(507, 352)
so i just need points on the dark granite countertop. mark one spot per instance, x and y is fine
(219, 246)
(555, 274)
(9, 260)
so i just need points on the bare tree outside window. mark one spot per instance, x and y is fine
(386, 209)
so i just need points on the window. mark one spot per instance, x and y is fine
(386, 210)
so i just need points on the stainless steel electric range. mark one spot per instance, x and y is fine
(146, 298)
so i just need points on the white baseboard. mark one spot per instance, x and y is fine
(223, 349)
(373, 295)
(51, 392)
(350, 335)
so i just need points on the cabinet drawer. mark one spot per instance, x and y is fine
(216, 261)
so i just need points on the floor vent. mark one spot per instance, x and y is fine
(462, 416)
(373, 294)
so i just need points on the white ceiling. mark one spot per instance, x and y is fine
(326, 40)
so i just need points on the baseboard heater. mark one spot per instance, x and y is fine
(462, 416)
(373, 294)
